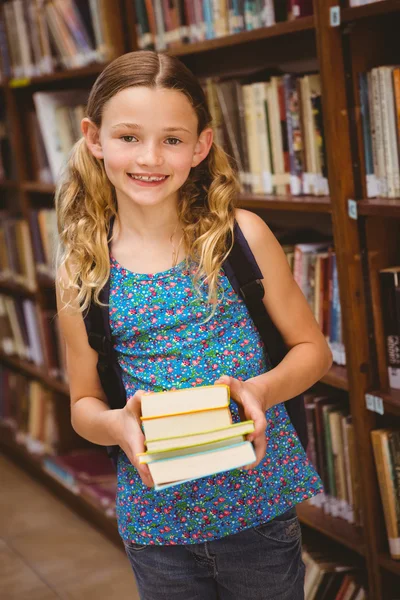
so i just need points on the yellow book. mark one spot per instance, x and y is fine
(186, 423)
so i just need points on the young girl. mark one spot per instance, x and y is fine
(147, 162)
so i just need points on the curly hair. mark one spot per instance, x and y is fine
(86, 200)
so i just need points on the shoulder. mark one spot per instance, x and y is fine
(260, 238)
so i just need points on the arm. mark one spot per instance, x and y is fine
(309, 356)
(91, 417)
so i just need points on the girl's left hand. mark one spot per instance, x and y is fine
(250, 404)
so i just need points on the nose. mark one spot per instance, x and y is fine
(150, 155)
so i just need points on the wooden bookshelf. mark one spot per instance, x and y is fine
(341, 53)
(337, 529)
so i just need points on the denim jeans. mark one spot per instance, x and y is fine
(260, 563)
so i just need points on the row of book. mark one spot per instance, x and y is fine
(389, 280)
(386, 447)
(40, 36)
(380, 112)
(332, 451)
(314, 268)
(273, 130)
(329, 577)
(39, 421)
(162, 24)
(32, 333)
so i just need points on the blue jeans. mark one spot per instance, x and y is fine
(260, 563)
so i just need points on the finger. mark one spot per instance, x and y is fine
(145, 475)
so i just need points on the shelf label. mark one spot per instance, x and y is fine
(334, 14)
(352, 209)
(374, 403)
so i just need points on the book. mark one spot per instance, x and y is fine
(186, 400)
(170, 471)
(389, 283)
(203, 437)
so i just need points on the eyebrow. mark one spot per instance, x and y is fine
(136, 126)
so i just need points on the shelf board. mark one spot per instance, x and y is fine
(382, 207)
(15, 289)
(337, 377)
(280, 29)
(93, 69)
(39, 373)
(391, 400)
(8, 184)
(389, 564)
(370, 10)
(39, 187)
(337, 529)
(313, 204)
(33, 466)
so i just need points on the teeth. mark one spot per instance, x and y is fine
(145, 178)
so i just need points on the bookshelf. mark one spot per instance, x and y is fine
(363, 244)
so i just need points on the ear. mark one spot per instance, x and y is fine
(203, 146)
(92, 136)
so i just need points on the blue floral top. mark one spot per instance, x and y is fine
(162, 342)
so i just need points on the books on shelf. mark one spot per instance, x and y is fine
(16, 260)
(386, 447)
(40, 36)
(161, 24)
(44, 234)
(189, 434)
(328, 576)
(332, 451)
(380, 111)
(390, 297)
(273, 131)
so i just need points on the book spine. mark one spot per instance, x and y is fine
(389, 282)
(372, 190)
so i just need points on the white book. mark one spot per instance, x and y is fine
(173, 402)
(187, 423)
(46, 104)
(31, 319)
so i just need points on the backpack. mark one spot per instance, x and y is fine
(245, 277)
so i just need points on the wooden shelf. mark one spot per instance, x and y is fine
(389, 564)
(7, 184)
(337, 529)
(337, 377)
(313, 204)
(15, 289)
(383, 207)
(33, 466)
(280, 29)
(38, 187)
(391, 400)
(82, 72)
(39, 373)
(370, 10)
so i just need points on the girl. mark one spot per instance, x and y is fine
(147, 162)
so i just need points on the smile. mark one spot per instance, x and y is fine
(148, 178)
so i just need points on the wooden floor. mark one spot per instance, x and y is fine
(48, 552)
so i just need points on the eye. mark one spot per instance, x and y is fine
(172, 141)
(128, 138)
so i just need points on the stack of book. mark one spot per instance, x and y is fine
(189, 434)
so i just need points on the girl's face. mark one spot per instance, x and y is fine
(149, 142)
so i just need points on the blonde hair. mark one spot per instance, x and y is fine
(86, 200)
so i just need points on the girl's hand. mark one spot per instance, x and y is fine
(250, 405)
(130, 436)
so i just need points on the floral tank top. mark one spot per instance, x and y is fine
(162, 343)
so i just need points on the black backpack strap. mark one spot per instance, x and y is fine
(245, 277)
(97, 323)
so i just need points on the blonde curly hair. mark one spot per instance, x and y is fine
(86, 200)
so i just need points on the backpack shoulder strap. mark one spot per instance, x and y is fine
(245, 276)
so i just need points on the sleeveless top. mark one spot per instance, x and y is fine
(162, 342)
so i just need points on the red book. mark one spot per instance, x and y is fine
(300, 8)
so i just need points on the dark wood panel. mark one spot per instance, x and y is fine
(337, 529)
(382, 207)
(389, 564)
(370, 10)
(337, 377)
(39, 187)
(313, 204)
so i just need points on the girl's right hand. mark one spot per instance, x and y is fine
(130, 436)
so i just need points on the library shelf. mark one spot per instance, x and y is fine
(33, 466)
(337, 529)
(313, 204)
(391, 400)
(280, 29)
(39, 373)
(8, 184)
(39, 187)
(336, 377)
(389, 564)
(9, 287)
(370, 10)
(382, 207)
(78, 73)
